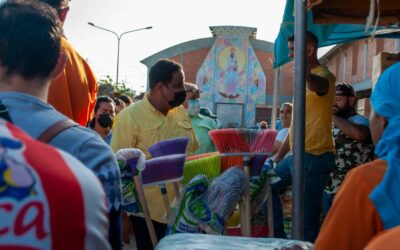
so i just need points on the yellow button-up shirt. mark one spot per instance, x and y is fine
(141, 125)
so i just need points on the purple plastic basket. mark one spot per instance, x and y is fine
(163, 168)
(169, 147)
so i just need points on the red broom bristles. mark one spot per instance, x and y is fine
(243, 140)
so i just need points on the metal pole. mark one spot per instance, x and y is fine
(275, 97)
(117, 78)
(299, 119)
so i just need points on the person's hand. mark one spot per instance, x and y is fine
(127, 228)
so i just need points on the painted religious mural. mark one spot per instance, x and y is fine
(232, 74)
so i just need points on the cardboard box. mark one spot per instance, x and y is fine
(381, 62)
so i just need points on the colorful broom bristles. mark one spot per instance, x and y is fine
(226, 161)
(243, 140)
(169, 147)
(163, 168)
(209, 166)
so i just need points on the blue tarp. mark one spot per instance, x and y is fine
(328, 34)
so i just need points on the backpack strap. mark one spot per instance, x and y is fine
(4, 113)
(55, 129)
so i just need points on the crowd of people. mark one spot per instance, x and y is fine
(62, 189)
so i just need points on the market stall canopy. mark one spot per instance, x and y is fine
(327, 34)
(354, 11)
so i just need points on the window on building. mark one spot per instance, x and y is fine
(355, 60)
(397, 45)
(365, 60)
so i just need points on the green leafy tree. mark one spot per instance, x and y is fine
(109, 88)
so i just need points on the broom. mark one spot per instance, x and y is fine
(245, 143)
(169, 147)
(161, 170)
(132, 160)
(210, 166)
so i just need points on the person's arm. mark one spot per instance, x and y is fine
(317, 84)
(282, 151)
(352, 220)
(354, 131)
(275, 148)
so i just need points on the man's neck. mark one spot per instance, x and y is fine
(36, 88)
(155, 102)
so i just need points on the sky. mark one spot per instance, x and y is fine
(173, 21)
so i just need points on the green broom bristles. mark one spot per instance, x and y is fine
(209, 166)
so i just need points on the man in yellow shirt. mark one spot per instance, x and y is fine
(319, 158)
(73, 93)
(159, 116)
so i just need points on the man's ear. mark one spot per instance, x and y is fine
(353, 100)
(62, 14)
(59, 69)
(310, 50)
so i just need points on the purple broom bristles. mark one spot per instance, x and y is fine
(256, 164)
(169, 147)
(163, 168)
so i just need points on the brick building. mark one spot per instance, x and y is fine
(234, 71)
(352, 63)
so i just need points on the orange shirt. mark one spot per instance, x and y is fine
(73, 93)
(353, 220)
(388, 240)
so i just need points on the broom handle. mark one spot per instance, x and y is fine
(149, 223)
(246, 160)
(242, 210)
(270, 211)
(164, 194)
(176, 189)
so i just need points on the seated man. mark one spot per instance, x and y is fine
(25, 77)
(158, 117)
(368, 202)
(48, 199)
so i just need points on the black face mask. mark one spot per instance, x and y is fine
(179, 98)
(105, 120)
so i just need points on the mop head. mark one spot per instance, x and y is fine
(169, 147)
(204, 207)
(209, 166)
(131, 162)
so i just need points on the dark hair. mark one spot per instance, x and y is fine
(30, 34)
(126, 99)
(310, 37)
(99, 101)
(56, 4)
(163, 72)
(117, 101)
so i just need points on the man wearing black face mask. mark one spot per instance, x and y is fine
(104, 112)
(352, 140)
(159, 116)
